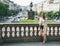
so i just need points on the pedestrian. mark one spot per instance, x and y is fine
(43, 26)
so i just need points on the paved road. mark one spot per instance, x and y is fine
(33, 44)
(9, 19)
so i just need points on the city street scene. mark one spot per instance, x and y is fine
(29, 22)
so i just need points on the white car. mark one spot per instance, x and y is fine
(58, 20)
(22, 18)
(36, 17)
(10, 17)
(17, 19)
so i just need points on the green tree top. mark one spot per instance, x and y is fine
(3, 9)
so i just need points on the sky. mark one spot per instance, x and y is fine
(26, 2)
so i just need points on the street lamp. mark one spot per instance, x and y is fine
(59, 5)
(31, 5)
(35, 9)
(43, 5)
(59, 8)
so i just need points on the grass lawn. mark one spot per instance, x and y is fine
(34, 21)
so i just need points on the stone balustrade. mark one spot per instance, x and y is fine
(27, 32)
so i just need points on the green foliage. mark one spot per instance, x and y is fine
(35, 12)
(51, 14)
(34, 21)
(41, 12)
(14, 12)
(29, 21)
(4, 11)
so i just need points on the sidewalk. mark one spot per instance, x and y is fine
(33, 44)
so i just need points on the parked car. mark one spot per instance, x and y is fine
(36, 17)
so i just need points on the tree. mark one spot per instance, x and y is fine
(14, 12)
(50, 14)
(3, 9)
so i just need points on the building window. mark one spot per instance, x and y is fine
(51, 1)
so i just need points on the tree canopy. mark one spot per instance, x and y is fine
(4, 10)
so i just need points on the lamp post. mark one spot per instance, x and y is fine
(43, 5)
(59, 9)
(59, 5)
(31, 5)
(35, 9)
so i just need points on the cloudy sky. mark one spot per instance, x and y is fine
(26, 2)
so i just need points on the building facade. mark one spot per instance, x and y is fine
(49, 5)
(12, 5)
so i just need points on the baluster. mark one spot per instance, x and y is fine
(22, 31)
(56, 31)
(3, 32)
(48, 31)
(17, 31)
(26, 31)
(13, 31)
(35, 31)
(51, 31)
(31, 31)
(8, 31)
(39, 28)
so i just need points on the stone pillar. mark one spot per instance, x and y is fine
(1, 40)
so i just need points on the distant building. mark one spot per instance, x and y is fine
(53, 1)
(5, 1)
(12, 6)
(24, 11)
(49, 5)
